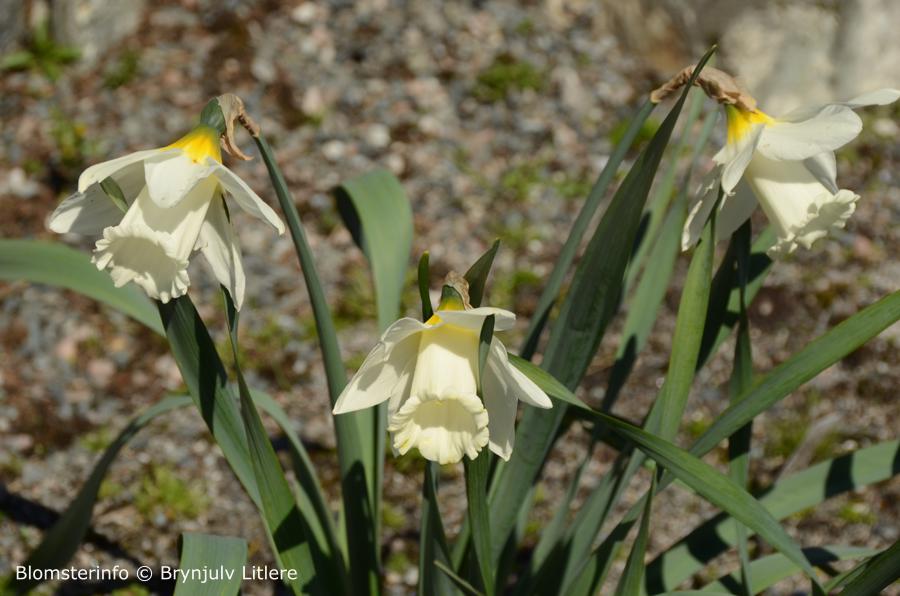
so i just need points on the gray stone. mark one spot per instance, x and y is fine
(94, 26)
(12, 25)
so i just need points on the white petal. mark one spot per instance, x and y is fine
(501, 406)
(824, 167)
(222, 251)
(735, 210)
(474, 318)
(85, 213)
(800, 208)
(704, 200)
(401, 329)
(181, 222)
(248, 200)
(735, 157)
(101, 171)
(171, 175)
(403, 388)
(518, 384)
(378, 377)
(830, 127)
(90, 211)
(880, 97)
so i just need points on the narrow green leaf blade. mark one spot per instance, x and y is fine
(206, 380)
(741, 381)
(478, 273)
(687, 337)
(291, 535)
(715, 487)
(377, 213)
(769, 570)
(554, 283)
(356, 432)
(58, 265)
(879, 572)
(477, 472)
(433, 547)
(790, 495)
(800, 368)
(460, 583)
(589, 307)
(311, 500)
(205, 551)
(724, 298)
(61, 542)
(632, 577)
(424, 278)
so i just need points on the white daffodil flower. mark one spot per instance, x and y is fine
(175, 206)
(429, 373)
(787, 166)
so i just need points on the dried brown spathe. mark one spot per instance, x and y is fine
(459, 283)
(717, 84)
(232, 108)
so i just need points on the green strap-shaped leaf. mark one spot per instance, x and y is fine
(664, 191)
(724, 296)
(290, 533)
(714, 486)
(356, 431)
(459, 582)
(193, 350)
(587, 310)
(376, 211)
(771, 569)
(424, 280)
(477, 274)
(800, 368)
(878, 572)
(58, 265)
(61, 541)
(741, 380)
(686, 339)
(477, 471)
(790, 495)
(311, 501)
(668, 409)
(642, 315)
(205, 551)
(433, 547)
(579, 227)
(206, 380)
(633, 576)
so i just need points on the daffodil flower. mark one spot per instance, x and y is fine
(787, 166)
(176, 205)
(429, 373)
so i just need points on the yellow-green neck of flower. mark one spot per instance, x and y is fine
(450, 300)
(200, 143)
(740, 122)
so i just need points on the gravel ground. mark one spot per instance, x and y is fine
(496, 117)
